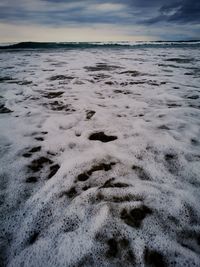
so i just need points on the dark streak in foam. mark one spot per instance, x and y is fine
(194, 141)
(83, 177)
(86, 187)
(100, 167)
(70, 193)
(27, 155)
(133, 73)
(51, 95)
(154, 258)
(86, 261)
(31, 179)
(193, 97)
(39, 138)
(110, 183)
(140, 172)
(189, 239)
(37, 164)
(172, 163)
(101, 67)
(109, 83)
(59, 106)
(119, 199)
(89, 114)
(180, 60)
(120, 249)
(190, 212)
(53, 170)
(61, 77)
(135, 216)
(125, 92)
(101, 136)
(173, 105)
(163, 127)
(169, 157)
(33, 238)
(113, 248)
(35, 149)
(4, 109)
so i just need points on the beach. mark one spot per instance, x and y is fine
(100, 156)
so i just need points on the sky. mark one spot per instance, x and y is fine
(99, 20)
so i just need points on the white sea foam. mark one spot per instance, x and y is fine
(130, 198)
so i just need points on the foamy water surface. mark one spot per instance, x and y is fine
(100, 157)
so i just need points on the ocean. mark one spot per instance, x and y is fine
(89, 45)
(100, 154)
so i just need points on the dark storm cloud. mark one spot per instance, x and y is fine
(154, 15)
(58, 12)
(187, 11)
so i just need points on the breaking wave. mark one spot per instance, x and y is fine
(87, 45)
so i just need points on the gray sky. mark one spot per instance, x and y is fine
(95, 20)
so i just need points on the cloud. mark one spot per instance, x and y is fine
(106, 7)
(133, 11)
(148, 14)
(187, 11)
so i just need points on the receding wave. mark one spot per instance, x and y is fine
(87, 45)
